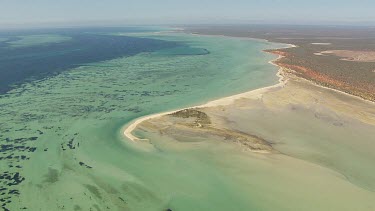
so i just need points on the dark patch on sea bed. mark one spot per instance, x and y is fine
(96, 207)
(52, 176)
(84, 165)
(77, 208)
(14, 151)
(94, 190)
(138, 192)
(7, 191)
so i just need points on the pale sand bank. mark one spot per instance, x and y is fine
(321, 43)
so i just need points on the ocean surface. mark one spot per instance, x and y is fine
(67, 93)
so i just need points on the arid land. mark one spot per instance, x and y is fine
(349, 66)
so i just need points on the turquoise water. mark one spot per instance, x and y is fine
(61, 135)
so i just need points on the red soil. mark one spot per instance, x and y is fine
(326, 80)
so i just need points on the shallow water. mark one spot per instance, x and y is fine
(62, 146)
(232, 178)
(316, 131)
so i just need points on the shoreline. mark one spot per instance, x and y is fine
(347, 87)
(326, 87)
(131, 126)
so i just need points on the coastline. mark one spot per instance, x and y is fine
(273, 62)
(354, 77)
(319, 82)
(131, 126)
(281, 74)
(296, 119)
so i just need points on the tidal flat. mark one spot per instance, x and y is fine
(294, 147)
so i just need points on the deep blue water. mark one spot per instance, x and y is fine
(18, 65)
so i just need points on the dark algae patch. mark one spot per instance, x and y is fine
(84, 165)
(14, 151)
(52, 176)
